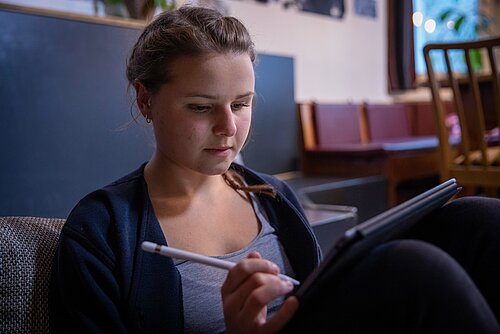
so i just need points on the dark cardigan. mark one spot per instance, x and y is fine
(103, 282)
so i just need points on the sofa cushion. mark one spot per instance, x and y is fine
(27, 246)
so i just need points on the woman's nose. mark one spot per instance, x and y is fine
(225, 124)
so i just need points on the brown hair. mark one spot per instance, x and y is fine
(189, 31)
(234, 179)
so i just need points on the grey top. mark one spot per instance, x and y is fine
(202, 298)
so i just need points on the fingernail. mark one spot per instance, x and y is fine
(288, 285)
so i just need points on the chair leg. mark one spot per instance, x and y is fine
(392, 194)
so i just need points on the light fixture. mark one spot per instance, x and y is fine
(417, 18)
(430, 26)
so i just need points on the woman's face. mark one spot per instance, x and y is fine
(202, 116)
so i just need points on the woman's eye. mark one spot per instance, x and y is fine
(199, 108)
(239, 106)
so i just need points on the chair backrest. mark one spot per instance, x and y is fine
(27, 246)
(338, 124)
(421, 118)
(476, 99)
(387, 121)
(307, 126)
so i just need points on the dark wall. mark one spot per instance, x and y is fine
(273, 143)
(65, 126)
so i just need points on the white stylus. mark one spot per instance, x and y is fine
(185, 255)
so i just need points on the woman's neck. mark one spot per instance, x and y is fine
(166, 179)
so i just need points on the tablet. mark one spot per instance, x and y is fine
(360, 239)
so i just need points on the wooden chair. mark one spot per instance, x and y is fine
(475, 161)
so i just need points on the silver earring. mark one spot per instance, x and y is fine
(147, 118)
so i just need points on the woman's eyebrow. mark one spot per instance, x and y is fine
(213, 97)
(247, 94)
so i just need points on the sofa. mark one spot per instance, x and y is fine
(27, 246)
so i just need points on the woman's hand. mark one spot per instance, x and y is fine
(250, 286)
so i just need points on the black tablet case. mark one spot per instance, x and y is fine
(360, 239)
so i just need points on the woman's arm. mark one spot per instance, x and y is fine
(84, 291)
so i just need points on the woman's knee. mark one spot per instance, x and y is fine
(403, 269)
(464, 221)
(419, 283)
(472, 209)
(412, 260)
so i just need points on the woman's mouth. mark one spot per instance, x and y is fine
(219, 151)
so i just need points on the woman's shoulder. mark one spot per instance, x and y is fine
(118, 190)
(119, 201)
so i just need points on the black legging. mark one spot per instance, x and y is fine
(443, 277)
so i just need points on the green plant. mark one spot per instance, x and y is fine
(142, 9)
(480, 22)
(165, 5)
(112, 2)
(467, 23)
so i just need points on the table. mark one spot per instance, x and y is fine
(332, 204)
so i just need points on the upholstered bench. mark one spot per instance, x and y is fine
(360, 140)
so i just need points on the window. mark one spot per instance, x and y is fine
(443, 21)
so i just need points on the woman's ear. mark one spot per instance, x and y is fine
(143, 99)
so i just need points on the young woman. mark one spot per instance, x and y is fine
(192, 70)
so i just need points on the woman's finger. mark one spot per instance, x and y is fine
(244, 269)
(264, 294)
(282, 316)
